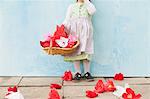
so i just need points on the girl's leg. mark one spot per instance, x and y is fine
(77, 75)
(87, 74)
(77, 67)
(86, 64)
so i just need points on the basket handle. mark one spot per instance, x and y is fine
(49, 49)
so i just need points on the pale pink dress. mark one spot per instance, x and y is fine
(78, 22)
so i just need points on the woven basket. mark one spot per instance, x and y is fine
(60, 51)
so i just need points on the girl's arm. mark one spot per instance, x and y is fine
(90, 7)
(68, 15)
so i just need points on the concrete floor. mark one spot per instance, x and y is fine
(38, 87)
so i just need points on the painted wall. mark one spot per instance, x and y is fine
(122, 37)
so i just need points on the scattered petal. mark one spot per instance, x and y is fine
(57, 86)
(91, 94)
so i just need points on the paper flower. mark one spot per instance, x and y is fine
(13, 93)
(71, 44)
(45, 43)
(72, 41)
(53, 41)
(91, 94)
(62, 42)
(53, 94)
(13, 89)
(47, 37)
(67, 76)
(60, 31)
(99, 88)
(130, 94)
(72, 38)
(119, 76)
(109, 86)
(59, 39)
(120, 90)
(57, 86)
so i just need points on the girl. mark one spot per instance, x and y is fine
(78, 22)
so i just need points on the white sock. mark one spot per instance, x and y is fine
(77, 67)
(86, 64)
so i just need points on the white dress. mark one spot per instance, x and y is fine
(78, 22)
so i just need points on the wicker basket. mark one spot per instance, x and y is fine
(60, 51)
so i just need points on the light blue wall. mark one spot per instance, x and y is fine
(122, 37)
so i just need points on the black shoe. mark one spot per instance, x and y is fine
(88, 77)
(77, 76)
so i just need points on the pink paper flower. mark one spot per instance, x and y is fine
(47, 37)
(72, 38)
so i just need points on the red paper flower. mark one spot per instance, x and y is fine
(53, 94)
(119, 76)
(57, 86)
(60, 31)
(45, 43)
(67, 76)
(109, 86)
(99, 88)
(54, 44)
(91, 94)
(13, 89)
(130, 94)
